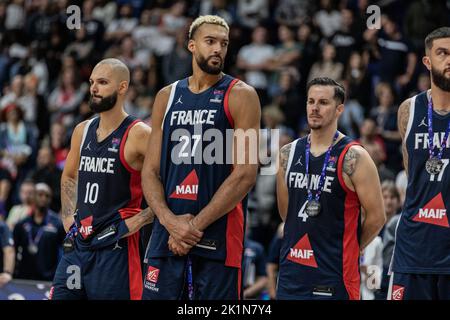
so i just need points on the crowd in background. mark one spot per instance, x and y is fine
(275, 46)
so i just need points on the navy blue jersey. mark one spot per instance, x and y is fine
(109, 190)
(423, 234)
(6, 240)
(192, 123)
(322, 250)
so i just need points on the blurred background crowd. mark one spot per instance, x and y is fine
(275, 46)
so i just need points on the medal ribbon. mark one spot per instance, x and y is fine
(324, 167)
(189, 279)
(431, 135)
(39, 233)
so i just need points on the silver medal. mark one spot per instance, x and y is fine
(312, 208)
(434, 165)
(33, 249)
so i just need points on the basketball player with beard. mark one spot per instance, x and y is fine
(101, 196)
(197, 242)
(421, 261)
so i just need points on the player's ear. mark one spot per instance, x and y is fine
(123, 87)
(340, 109)
(191, 45)
(426, 61)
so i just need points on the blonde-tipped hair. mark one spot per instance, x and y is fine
(209, 19)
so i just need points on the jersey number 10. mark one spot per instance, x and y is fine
(91, 193)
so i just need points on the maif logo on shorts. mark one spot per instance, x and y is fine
(152, 274)
(397, 292)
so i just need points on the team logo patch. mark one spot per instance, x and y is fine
(302, 253)
(188, 188)
(397, 292)
(434, 212)
(218, 96)
(332, 164)
(114, 145)
(152, 274)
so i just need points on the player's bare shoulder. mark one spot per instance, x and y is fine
(244, 101)
(353, 158)
(403, 116)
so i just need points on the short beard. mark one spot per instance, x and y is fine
(205, 67)
(105, 104)
(440, 80)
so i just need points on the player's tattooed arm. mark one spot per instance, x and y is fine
(68, 200)
(402, 123)
(284, 156)
(139, 220)
(351, 161)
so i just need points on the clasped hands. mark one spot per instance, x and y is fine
(183, 234)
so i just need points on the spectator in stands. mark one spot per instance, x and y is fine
(397, 57)
(38, 239)
(290, 99)
(122, 26)
(128, 55)
(5, 188)
(95, 28)
(371, 266)
(65, 99)
(33, 105)
(328, 19)
(18, 145)
(287, 54)
(254, 268)
(385, 116)
(346, 39)
(250, 13)
(177, 64)
(13, 92)
(254, 60)
(46, 171)
(58, 143)
(293, 12)
(7, 254)
(392, 205)
(24, 209)
(327, 66)
(273, 261)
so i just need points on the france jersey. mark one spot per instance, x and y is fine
(319, 257)
(109, 190)
(423, 234)
(195, 156)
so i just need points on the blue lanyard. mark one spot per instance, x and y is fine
(40, 232)
(431, 146)
(189, 279)
(325, 164)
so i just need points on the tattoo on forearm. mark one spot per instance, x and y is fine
(350, 162)
(68, 197)
(284, 156)
(147, 214)
(402, 123)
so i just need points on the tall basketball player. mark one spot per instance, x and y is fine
(323, 181)
(421, 262)
(101, 196)
(197, 242)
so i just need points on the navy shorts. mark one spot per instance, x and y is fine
(166, 279)
(324, 291)
(110, 273)
(410, 286)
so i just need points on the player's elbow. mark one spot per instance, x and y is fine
(247, 176)
(378, 219)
